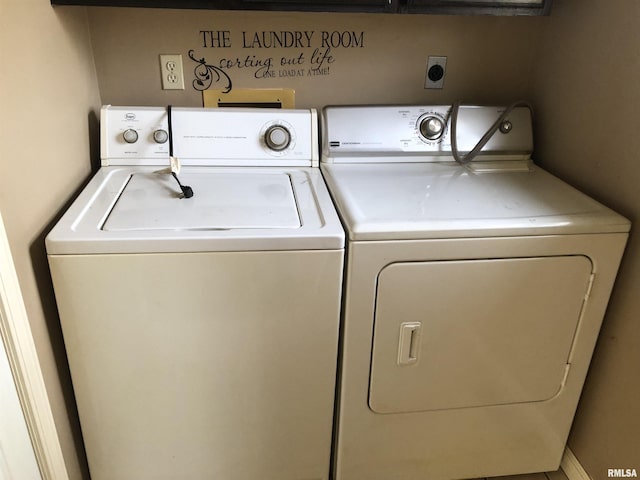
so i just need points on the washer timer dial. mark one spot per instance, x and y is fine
(277, 138)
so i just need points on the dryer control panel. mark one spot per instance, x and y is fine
(421, 133)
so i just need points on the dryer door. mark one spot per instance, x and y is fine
(470, 333)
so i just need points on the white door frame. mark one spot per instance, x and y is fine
(23, 361)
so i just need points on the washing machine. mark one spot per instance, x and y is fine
(200, 313)
(473, 296)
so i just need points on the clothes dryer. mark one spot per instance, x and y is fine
(473, 295)
(202, 332)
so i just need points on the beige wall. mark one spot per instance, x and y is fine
(489, 59)
(48, 90)
(586, 68)
(580, 67)
(587, 92)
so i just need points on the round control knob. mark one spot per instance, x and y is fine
(160, 136)
(506, 126)
(130, 136)
(432, 128)
(277, 138)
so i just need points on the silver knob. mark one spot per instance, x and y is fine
(160, 136)
(277, 138)
(506, 126)
(130, 135)
(432, 128)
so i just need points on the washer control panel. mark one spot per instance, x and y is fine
(209, 136)
(237, 136)
(133, 135)
(420, 133)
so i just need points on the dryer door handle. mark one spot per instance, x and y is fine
(409, 343)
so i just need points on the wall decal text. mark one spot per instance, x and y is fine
(308, 53)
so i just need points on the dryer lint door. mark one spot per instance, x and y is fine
(472, 333)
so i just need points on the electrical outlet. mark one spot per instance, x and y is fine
(171, 71)
(436, 68)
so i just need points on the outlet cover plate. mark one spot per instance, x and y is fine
(436, 67)
(171, 72)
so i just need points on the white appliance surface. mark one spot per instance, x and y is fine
(127, 209)
(224, 201)
(272, 200)
(221, 136)
(238, 136)
(444, 200)
(392, 134)
(202, 332)
(473, 295)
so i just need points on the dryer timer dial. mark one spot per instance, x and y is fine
(431, 127)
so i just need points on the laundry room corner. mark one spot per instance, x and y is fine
(62, 64)
(585, 87)
(49, 89)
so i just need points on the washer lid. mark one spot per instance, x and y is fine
(445, 200)
(137, 210)
(224, 200)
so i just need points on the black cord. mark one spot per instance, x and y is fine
(464, 160)
(169, 125)
(187, 191)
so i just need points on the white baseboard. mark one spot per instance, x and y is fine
(572, 467)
